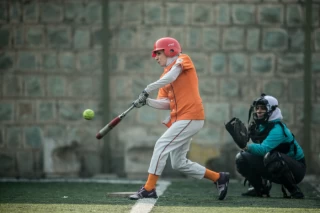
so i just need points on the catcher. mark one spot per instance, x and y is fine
(274, 156)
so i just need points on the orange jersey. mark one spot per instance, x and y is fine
(183, 93)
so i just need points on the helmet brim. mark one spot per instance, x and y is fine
(154, 52)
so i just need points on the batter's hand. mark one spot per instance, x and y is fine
(137, 103)
(143, 96)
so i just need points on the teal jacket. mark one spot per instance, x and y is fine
(276, 137)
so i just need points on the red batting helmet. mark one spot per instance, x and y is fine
(170, 46)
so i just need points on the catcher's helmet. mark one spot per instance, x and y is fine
(270, 104)
(170, 46)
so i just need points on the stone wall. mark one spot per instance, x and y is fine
(50, 62)
(51, 70)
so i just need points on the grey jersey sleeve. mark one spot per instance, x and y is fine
(168, 78)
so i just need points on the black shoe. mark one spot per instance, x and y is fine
(222, 184)
(263, 192)
(297, 194)
(143, 193)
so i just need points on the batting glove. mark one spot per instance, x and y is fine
(137, 103)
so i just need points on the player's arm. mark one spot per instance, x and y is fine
(168, 78)
(162, 103)
(274, 138)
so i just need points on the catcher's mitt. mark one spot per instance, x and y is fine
(238, 131)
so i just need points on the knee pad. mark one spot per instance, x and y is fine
(241, 163)
(275, 164)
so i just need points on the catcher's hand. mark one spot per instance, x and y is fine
(238, 131)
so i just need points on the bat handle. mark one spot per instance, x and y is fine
(126, 112)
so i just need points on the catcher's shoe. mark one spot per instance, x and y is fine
(143, 193)
(263, 192)
(222, 184)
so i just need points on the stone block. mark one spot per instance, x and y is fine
(34, 85)
(33, 136)
(208, 87)
(27, 60)
(91, 164)
(275, 87)
(74, 11)
(229, 88)
(253, 39)
(97, 37)
(296, 39)
(240, 111)
(25, 163)
(315, 15)
(15, 12)
(262, 64)
(49, 61)
(89, 61)
(2, 140)
(3, 12)
(223, 14)
(316, 114)
(207, 136)
(147, 35)
(315, 66)
(211, 38)
(136, 63)
(31, 12)
(202, 13)
(317, 39)
(201, 62)
(6, 61)
(51, 12)
(295, 88)
(67, 61)
(270, 14)
(123, 87)
(243, 14)
(56, 86)
(275, 39)
(238, 63)
(154, 13)
(132, 12)
(18, 36)
(287, 112)
(294, 15)
(59, 37)
(4, 37)
(6, 111)
(147, 117)
(35, 37)
(12, 85)
(80, 87)
(219, 112)
(194, 38)
(93, 12)
(81, 38)
(233, 38)
(115, 13)
(127, 37)
(176, 14)
(8, 162)
(14, 137)
(291, 64)
(25, 111)
(70, 111)
(57, 131)
(46, 111)
(218, 63)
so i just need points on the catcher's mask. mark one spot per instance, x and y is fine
(268, 102)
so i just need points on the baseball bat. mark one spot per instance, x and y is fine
(113, 123)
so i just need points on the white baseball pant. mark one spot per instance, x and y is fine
(176, 141)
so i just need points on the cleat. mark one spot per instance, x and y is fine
(297, 194)
(263, 192)
(222, 184)
(143, 193)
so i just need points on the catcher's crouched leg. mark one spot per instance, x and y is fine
(260, 187)
(281, 174)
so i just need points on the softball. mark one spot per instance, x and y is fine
(88, 114)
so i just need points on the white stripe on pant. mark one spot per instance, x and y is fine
(176, 141)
